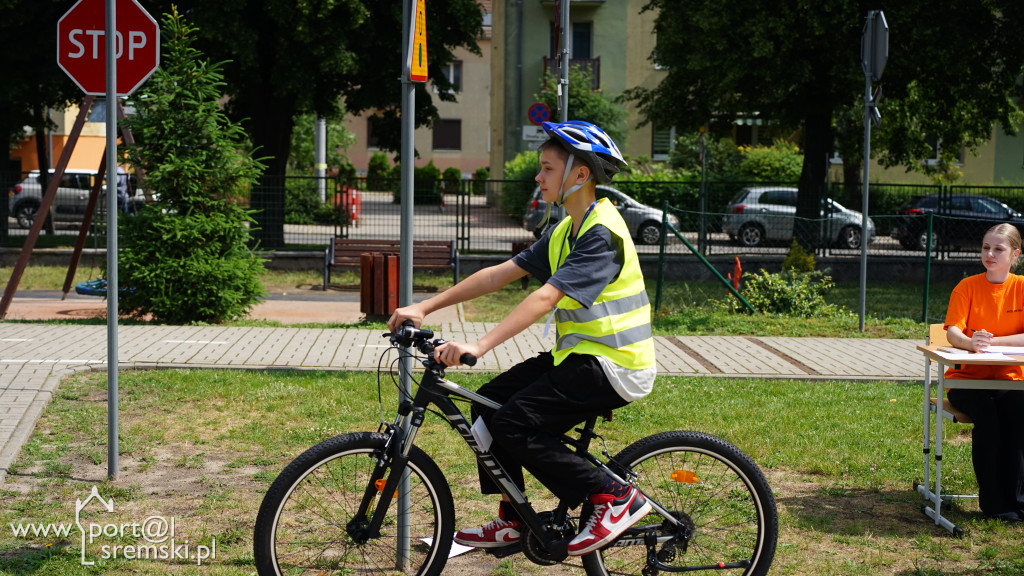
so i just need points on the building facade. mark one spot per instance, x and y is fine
(612, 39)
(460, 137)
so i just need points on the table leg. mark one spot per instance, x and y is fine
(927, 428)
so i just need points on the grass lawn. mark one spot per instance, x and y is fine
(203, 446)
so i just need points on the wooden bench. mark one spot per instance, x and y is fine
(427, 254)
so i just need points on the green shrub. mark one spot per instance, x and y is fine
(519, 183)
(302, 203)
(185, 258)
(780, 162)
(452, 177)
(654, 183)
(377, 171)
(480, 177)
(721, 156)
(787, 293)
(426, 182)
(798, 259)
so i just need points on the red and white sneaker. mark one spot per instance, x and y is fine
(494, 534)
(611, 517)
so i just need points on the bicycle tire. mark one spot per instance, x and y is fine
(301, 524)
(725, 500)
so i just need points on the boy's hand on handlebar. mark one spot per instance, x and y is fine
(408, 313)
(452, 353)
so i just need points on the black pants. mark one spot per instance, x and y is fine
(997, 446)
(541, 402)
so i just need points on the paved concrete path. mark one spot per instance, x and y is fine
(34, 357)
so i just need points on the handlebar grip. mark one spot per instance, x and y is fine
(468, 359)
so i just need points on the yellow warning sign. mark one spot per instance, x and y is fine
(418, 46)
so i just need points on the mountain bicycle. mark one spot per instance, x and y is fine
(375, 503)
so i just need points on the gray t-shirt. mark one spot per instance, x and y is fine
(595, 260)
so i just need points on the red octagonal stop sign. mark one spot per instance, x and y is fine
(81, 45)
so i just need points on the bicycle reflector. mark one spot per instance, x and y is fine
(379, 485)
(685, 476)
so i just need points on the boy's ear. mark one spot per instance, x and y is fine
(582, 171)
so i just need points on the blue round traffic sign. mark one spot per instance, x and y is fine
(539, 113)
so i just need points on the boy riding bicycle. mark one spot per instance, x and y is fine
(604, 353)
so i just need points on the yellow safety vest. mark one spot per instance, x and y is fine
(618, 325)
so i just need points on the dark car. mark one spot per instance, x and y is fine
(960, 220)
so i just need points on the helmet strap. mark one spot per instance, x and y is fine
(562, 192)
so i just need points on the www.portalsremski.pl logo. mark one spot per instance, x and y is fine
(155, 532)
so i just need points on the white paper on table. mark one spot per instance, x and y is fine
(996, 356)
(1011, 350)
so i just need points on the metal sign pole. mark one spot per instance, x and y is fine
(112, 360)
(874, 52)
(405, 250)
(864, 201)
(563, 82)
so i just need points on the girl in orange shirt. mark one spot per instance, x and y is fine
(988, 310)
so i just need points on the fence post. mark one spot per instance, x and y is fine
(661, 256)
(462, 202)
(927, 269)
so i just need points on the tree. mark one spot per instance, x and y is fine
(952, 73)
(586, 104)
(34, 84)
(301, 158)
(291, 57)
(186, 258)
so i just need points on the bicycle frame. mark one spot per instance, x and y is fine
(435, 389)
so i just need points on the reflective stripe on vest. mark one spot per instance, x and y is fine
(603, 309)
(619, 339)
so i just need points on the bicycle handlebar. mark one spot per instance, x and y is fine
(420, 338)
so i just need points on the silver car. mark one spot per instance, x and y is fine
(756, 216)
(70, 202)
(644, 222)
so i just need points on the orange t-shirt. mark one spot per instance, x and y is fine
(977, 304)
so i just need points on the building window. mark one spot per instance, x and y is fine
(453, 72)
(448, 134)
(372, 141)
(657, 51)
(662, 142)
(936, 146)
(581, 40)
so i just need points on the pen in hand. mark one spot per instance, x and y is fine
(981, 339)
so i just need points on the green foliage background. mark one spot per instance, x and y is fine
(185, 258)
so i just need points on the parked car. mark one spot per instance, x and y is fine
(965, 218)
(68, 205)
(759, 215)
(644, 222)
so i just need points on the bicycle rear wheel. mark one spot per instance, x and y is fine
(302, 524)
(711, 487)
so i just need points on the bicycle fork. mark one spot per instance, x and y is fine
(392, 461)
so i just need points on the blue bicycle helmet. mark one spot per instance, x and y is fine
(591, 144)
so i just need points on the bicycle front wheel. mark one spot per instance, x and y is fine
(303, 524)
(724, 511)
